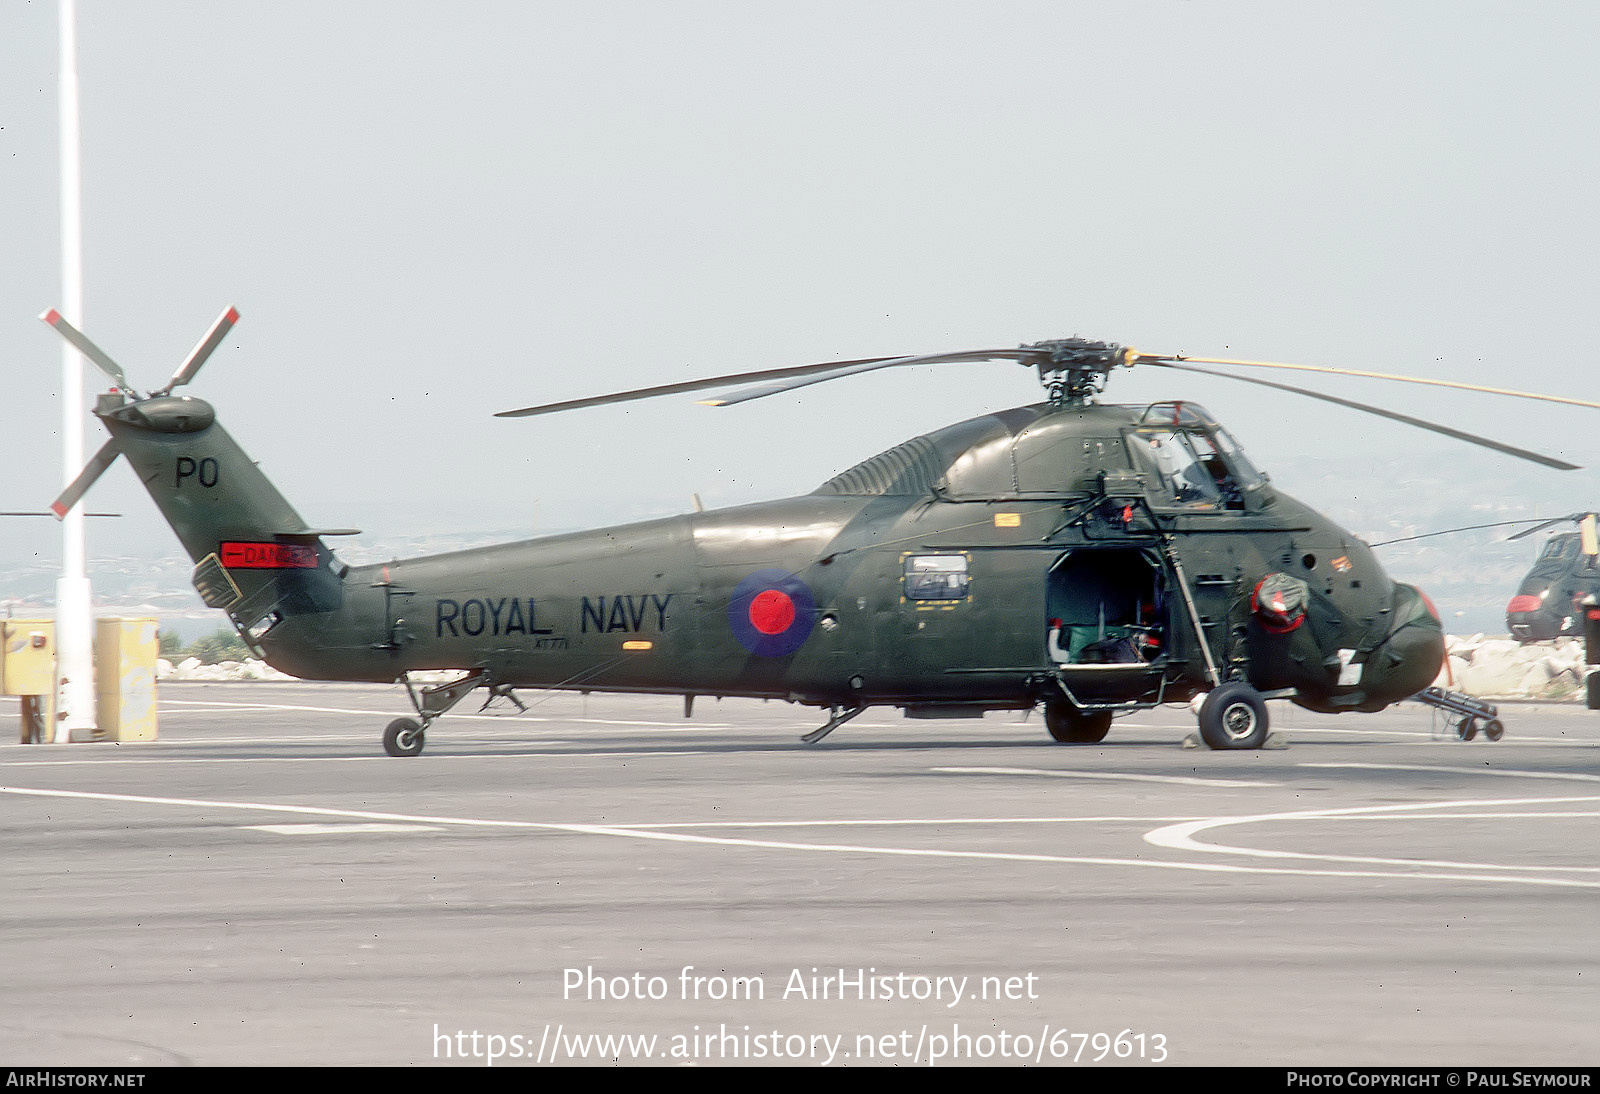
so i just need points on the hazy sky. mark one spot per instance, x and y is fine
(428, 212)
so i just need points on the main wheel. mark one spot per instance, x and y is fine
(1493, 730)
(403, 737)
(1234, 716)
(1071, 726)
(1468, 729)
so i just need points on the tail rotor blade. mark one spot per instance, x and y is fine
(81, 343)
(79, 486)
(203, 350)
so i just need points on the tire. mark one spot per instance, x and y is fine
(1076, 727)
(1468, 729)
(404, 737)
(1234, 716)
(1493, 730)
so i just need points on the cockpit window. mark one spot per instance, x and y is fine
(1243, 469)
(1197, 463)
(1180, 469)
(1559, 546)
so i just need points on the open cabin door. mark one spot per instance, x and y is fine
(1105, 626)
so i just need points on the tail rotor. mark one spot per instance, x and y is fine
(103, 459)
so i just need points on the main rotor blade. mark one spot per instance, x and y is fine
(86, 478)
(202, 350)
(675, 389)
(1435, 427)
(1468, 528)
(850, 369)
(81, 343)
(1552, 522)
(1151, 359)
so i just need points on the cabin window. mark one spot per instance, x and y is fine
(936, 577)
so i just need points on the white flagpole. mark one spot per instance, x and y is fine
(75, 695)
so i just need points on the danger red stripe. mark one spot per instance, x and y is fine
(267, 556)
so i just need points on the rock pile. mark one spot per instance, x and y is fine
(1498, 668)
(190, 668)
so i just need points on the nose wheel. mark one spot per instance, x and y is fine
(1233, 716)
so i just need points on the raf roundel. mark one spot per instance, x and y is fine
(772, 613)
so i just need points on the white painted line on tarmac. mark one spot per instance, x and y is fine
(1443, 737)
(1572, 776)
(882, 823)
(371, 828)
(432, 758)
(1181, 780)
(1407, 871)
(1181, 837)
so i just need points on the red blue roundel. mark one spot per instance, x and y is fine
(772, 613)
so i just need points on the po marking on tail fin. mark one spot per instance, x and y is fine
(205, 471)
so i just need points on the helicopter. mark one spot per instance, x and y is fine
(1550, 599)
(1087, 558)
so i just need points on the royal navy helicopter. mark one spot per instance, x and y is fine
(1086, 558)
(1549, 601)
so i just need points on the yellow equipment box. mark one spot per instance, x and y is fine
(28, 662)
(28, 668)
(125, 652)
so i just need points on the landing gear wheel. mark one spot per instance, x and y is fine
(1468, 729)
(403, 737)
(1076, 727)
(1233, 716)
(1493, 730)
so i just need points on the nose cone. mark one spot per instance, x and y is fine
(1528, 620)
(1410, 657)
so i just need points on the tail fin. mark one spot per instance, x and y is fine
(255, 557)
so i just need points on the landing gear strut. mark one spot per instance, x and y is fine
(406, 736)
(838, 717)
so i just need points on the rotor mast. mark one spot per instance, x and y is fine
(1075, 370)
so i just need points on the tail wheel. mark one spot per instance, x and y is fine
(1234, 716)
(1071, 726)
(404, 737)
